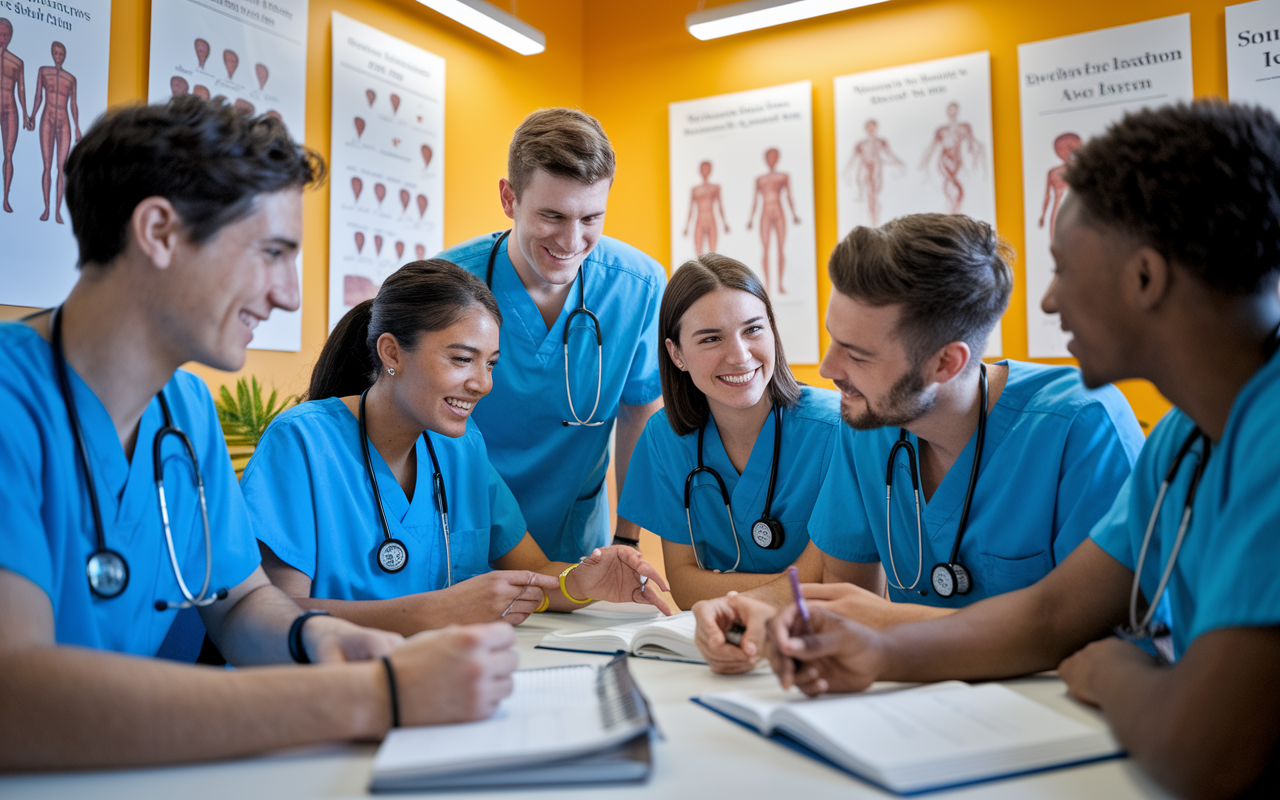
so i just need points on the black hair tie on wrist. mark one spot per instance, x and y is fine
(395, 697)
(296, 648)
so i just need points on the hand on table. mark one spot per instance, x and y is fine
(456, 674)
(1082, 670)
(484, 597)
(717, 616)
(330, 640)
(613, 574)
(837, 655)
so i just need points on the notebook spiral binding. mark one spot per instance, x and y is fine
(620, 700)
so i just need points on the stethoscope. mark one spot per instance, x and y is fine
(766, 532)
(595, 323)
(950, 577)
(392, 554)
(107, 569)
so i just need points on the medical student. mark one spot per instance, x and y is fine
(1014, 462)
(188, 218)
(375, 499)
(580, 339)
(728, 471)
(1167, 256)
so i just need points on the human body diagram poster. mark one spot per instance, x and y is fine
(386, 197)
(53, 85)
(1071, 89)
(742, 185)
(1253, 53)
(916, 139)
(252, 53)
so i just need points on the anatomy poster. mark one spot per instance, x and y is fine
(254, 55)
(53, 85)
(1253, 53)
(387, 166)
(1073, 88)
(742, 185)
(916, 139)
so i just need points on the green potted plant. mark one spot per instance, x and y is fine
(245, 417)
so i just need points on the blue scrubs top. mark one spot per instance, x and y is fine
(1225, 573)
(653, 497)
(310, 501)
(1054, 458)
(46, 522)
(557, 472)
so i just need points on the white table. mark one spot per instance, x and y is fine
(703, 756)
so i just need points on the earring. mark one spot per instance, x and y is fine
(391, 371)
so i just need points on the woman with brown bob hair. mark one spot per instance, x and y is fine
(729, 470)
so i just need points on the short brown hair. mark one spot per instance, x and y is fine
(687, 408)
(949, 272)
(562, 141)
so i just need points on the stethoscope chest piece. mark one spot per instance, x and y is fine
(768, 533)
(108, 573)
(392, 555)
(950, 579)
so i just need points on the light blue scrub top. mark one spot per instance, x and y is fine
(557, 472)
(1225, 575)
(653, 497)
(1054, 458)
(310, 501)
(46, 521)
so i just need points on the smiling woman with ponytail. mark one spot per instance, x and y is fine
(413, 362)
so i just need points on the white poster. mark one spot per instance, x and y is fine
(386, 197)
(53, 86)
(1253, 53)
(916, 139)
(742, 185)
(1072, 88)
(253, 54)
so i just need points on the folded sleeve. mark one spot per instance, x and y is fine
(840, 525)
(653, 496)
(278, 487)
(643, 384)
(507, 525)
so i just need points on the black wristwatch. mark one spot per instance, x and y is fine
(297, 648)
(617, 540)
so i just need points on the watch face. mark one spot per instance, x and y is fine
(943, 583)
(392, 556)
(108, 573)
(762, 533)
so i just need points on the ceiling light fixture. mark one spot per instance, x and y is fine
(489, 20)
(751, 15)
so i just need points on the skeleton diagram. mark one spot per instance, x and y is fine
(57, 88)
(949, 141)
(704, 198)
(1055, 185)
(11, 79)
(770, 187)
(866, 169)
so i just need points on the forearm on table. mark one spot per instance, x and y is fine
(406, 615)
(65, 707)
(690, 584)
(255, 630)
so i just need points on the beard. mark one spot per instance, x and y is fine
(906, 402)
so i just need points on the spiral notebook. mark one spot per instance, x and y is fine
(561, 725)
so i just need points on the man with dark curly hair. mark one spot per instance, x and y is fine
(1168, 260)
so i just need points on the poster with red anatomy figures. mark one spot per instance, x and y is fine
(254, 54)
(387, 160)
(53, 85)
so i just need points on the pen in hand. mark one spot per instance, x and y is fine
(518, 596)
(804, 627)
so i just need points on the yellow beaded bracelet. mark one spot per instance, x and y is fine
(565, 591)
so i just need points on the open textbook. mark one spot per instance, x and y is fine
(579, 724)
(666, 638)
(924, 738)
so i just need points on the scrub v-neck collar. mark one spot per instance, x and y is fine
(507, 286)
(746, 491)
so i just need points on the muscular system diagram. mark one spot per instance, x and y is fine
(13, 95)
(773, 221)
(57, 89)
(704, 199)
(950, 141)
(1055, 184)
(865, 169)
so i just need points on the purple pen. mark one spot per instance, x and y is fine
(794, 575)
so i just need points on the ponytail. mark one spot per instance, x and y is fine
(420, 297)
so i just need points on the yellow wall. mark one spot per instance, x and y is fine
(625, 61)
(639, 58)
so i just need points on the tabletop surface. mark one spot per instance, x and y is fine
(701, 754)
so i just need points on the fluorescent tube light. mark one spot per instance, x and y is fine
(489, 20)
(752, 15)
